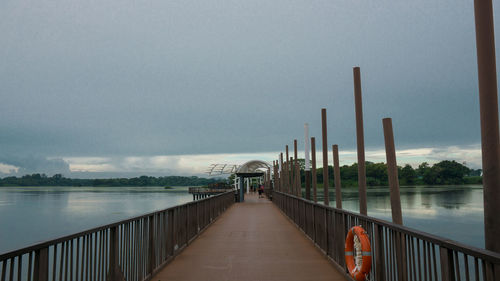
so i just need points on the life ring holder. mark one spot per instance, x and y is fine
(358, 256)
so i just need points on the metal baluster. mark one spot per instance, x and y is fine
(30, 265)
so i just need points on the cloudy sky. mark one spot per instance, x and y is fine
(103, 88)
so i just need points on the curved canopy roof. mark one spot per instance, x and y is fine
(253, 167)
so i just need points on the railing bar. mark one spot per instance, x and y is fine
(134, 249)
(54, 263)
(457, 267)
(483, 266)
(78, 257)
(429, 247)
(30, 265)
(105, 250)
(414, 259)
(126, 249)
(88, 245)
(466, 263)
(139, 249)
(66, 259)
(129, 250)
(386, 252)
(391, 263)
(19, 267)
(121, 230)
(419, 260)
(61, 261)
(424, 253)
(410, 257)
(99, 274)
(476, 267)
(4, 269)
(71, 260)
(94, 271)
(11, 271)
(434, 262)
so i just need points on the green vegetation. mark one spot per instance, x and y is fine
(443, 173)
(60, 180)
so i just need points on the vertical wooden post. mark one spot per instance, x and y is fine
(325, 156)
(287, 170)
(295, 156)
(336, 174)
(397, 217)
(41, 270)
(281, 173)
(115, 273)
(307, 164)
(313, 173)
(488, 101)
(298, 183)
(392, 171)
(360, 141)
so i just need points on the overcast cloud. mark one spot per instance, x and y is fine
(114, 81)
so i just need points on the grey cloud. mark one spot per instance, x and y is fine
(36, 164)
(119, 78)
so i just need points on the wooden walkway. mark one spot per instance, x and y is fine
(251, 241)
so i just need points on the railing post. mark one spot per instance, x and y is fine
(41, 270)
(447, 270)
(379, 252)
(114, 274)
(152, 261)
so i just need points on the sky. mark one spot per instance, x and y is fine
(123, 88)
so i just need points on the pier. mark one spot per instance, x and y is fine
(251, 241)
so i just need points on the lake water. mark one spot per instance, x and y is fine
(33, 214)
(453, 212)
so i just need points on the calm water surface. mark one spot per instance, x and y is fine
(453, 212)
(33, 214)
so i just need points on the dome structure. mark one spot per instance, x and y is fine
(253, 168)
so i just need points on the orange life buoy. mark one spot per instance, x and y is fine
(358, 272)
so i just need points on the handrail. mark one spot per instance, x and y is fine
(152, 239)
(396, 249)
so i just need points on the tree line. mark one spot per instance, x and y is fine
(443, 173)
(60, 180)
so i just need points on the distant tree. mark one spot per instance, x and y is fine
(408, 175)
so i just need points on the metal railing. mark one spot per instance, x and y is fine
(133, 249)
(398, 252)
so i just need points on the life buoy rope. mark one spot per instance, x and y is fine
(358, 255)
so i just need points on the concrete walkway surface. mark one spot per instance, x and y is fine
(251, 241)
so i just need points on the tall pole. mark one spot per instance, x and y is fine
(488, 103)
(360, 141)
(325, 156)
(307, 164)
(392, 171)
(281, 172)
(295, 156)
(313, 174)
(336, 174)
(287, 170)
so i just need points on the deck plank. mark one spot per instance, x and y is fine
(251, 241)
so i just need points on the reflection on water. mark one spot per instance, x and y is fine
(453, 212)
(33, 214)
